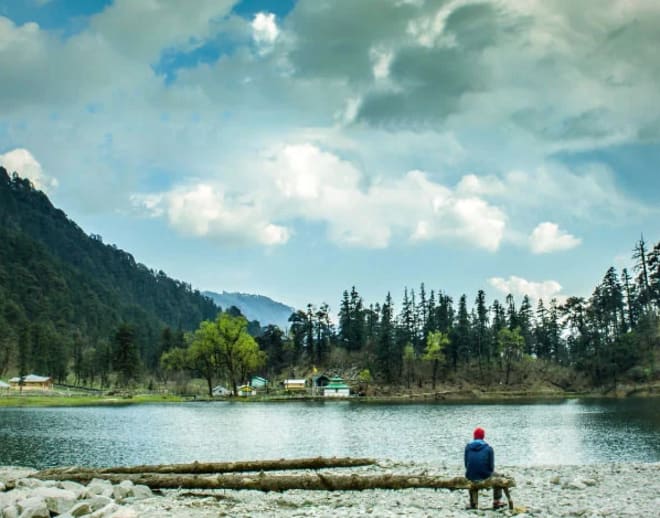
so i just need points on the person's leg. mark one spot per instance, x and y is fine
(497, 495)
(474, 498)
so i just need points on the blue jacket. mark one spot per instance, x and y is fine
(479, 460)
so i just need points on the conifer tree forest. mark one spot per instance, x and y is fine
(86, 313)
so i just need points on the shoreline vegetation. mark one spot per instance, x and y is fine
(71, 398)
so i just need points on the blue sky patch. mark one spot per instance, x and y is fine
(248, 8)
(67, 17)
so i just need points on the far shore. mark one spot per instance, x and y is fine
(57, 398)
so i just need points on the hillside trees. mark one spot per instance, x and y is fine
(75, 291)
(125, 359)
(219, 347)
(436, 343)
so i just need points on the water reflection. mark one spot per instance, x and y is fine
(571, 432)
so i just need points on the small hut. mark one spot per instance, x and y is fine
(219, 390)
(31, 382)
(258, 382)
(336, 388)
(4, 386)
(295, 385)
(246, 391)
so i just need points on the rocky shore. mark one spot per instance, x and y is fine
(588, 491)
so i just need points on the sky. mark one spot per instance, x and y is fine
(296, 148)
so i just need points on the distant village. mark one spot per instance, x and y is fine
(317, 385)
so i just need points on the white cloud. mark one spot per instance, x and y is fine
(517, 286)
(264, 30)
(22, 162)
(304, 182)
(381, 59)
(589, 193)
(203, 210)
(548, 237)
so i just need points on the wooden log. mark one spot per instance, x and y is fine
(214, 467)
(279, 483)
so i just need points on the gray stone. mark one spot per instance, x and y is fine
(99, 502)
(33, 507)
(99, 486)
(105, 512)
(13, 496)
(81, 509)
(57, 500)
(2, 486)
(29, 483)
(10, 512)
(140, 491)
(121, 492)
(74, 487)
(124, 512)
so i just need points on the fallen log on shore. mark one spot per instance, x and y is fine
(279, 483)
(84, 473)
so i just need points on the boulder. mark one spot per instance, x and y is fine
(139, 492)
(122, 491)
(98, 502)
(105, 512)
(100, 487)
(74, 487)
(33, 507)
(57, 500)
(11, 511)
(13, 496)
(81, 509)
(29, 483)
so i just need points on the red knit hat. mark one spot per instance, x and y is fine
(479, 433)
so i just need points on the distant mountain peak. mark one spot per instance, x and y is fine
(255, 307)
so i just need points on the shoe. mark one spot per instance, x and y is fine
(498, 504)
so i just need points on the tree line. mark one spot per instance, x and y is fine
(611, 334)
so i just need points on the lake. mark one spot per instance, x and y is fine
(530, 433)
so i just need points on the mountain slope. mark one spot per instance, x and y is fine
(255, 307)
(63, 290)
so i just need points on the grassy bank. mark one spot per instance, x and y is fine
(463, 395)
(64, 400)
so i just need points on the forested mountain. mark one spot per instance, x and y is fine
(64, 294)
(255, 307)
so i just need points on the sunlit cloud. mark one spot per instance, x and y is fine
(22, 162)
(519, 287)
(548, 237)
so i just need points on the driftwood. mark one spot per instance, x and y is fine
(204, 476)
(278, 483)
(81, 473)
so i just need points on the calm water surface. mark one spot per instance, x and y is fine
(568, 432)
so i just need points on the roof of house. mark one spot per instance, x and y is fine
(30, 378)
(3, 384)
(301, 380)
(336, 386)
